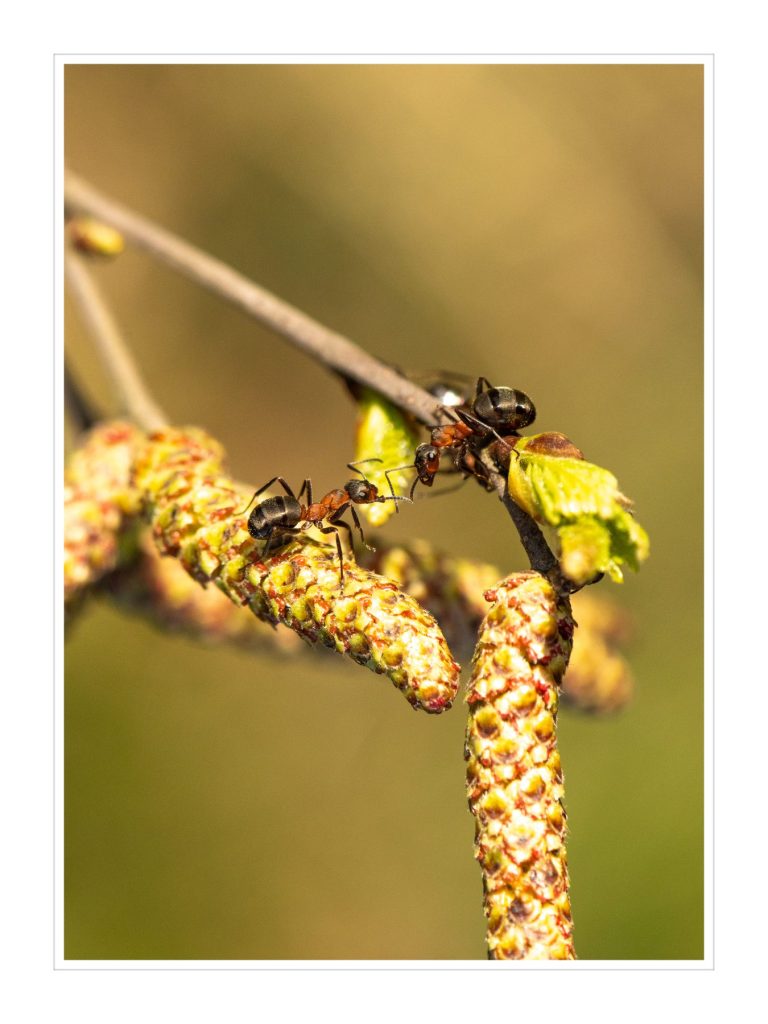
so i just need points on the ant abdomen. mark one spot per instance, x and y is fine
(504, 407)
(272, 514)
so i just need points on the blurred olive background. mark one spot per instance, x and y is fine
(540, 225)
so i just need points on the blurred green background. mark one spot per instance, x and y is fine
(540, 225)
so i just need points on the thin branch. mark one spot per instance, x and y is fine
(76, 404)
(323, 344)
(536, 547)
(539, 554)
(133, 396)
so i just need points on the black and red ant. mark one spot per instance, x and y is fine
(286, 515)
(495, 416)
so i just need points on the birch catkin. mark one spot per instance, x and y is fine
(193, 510)
(99, 501)
(514, 779)
(160, 591)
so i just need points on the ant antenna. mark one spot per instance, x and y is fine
(361, 462)
(359, 528)
(398, 497)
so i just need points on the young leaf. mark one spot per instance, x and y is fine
(550, 479)
(386, 433)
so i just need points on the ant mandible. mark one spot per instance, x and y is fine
(286, 515)
(493, 411)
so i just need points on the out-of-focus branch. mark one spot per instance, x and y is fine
(133, 396)
(77, 406)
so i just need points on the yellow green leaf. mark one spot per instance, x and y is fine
(384, 432)
(582, 501)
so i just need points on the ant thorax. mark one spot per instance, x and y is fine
(315, 513)
(450, 434)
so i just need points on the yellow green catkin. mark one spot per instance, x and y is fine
(599, 679)
(452, 589)
(514, 778)
(196, 514)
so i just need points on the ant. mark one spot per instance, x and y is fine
(471, 429)
(286, 515)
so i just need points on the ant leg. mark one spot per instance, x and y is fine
(480, 382)
(341, 561)
(282, 532)
(333, 528)
(471, 421)
(306, 488)
(267, 546)
(359, 527)
(449, 412)
(361, 462)
(261, 490)
(336, 521)
(348, 528)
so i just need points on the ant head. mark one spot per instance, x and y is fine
(426, 463)
(504, 408)
(362, 492)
